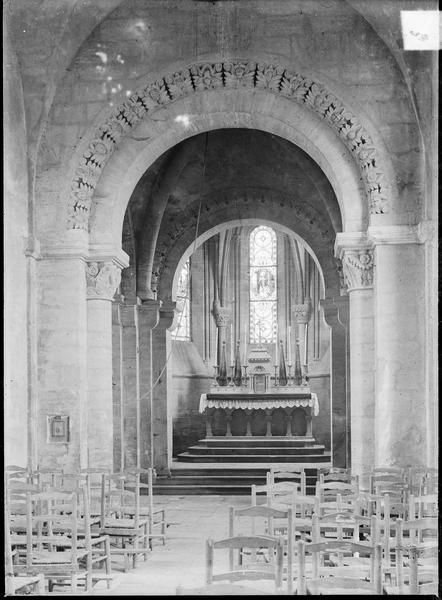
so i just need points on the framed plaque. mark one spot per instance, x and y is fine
(58, 428)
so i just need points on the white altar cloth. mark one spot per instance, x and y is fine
(258, 401)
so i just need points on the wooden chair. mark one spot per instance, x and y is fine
(416, 561)
(338, 580)
(261, 520)
(99, 545)
(59, 556)
(292, 474)
(241, 570)
(157, 515)
(121, 519)
(22, 584)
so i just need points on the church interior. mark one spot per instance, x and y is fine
(221, 369)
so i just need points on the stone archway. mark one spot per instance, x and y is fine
(196, 99)
(265, 87)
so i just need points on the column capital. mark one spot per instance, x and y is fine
(149, 313)
(358, 268)
(102, 279)
(302, 312)
(221, 314)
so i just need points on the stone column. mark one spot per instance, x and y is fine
(62, 358)
(148, 317)
(117, 382)
(223, 317)
(338, 381)
(102, 280)
(131, 385)
(357, 262)
(161, 418)
(301, 316)
(399, 284)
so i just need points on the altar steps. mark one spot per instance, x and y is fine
(213, 478)
(275, 449)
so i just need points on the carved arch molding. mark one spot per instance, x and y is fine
(212, 76)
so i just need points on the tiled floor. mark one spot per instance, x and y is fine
(192, 519)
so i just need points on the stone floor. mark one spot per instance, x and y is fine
(192, 519)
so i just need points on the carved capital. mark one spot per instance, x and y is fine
(302, 312)
(222, 315)
(358, 268)
(102, 280)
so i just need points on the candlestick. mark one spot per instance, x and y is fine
(276, 347)
(216, 375)
(290, 374)
(216, 344)
(245, 342)
(231, 376)
(245, 367)
(276, 370)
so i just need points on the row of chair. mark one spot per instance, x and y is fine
(340, 540)
(68, 528)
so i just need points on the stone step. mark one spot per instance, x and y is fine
(277, 458)
(257, 441)
(253, 450)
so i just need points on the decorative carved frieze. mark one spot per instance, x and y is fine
(302, 312)
(358, 268)
(212, 76)
(102, 279)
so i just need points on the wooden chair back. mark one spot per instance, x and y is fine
(238, 569)
(323, 579)
(295, 474)
(117, 501)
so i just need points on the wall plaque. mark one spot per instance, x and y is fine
(58, 428)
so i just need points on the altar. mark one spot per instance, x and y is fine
(259, 401)
(229, 400)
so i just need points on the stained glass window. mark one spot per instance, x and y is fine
(182, 332)
(263, 263)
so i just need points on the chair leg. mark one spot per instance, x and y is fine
(107, 561)
(40, 588)
(88, 581)
(74, 583)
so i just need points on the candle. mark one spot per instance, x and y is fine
(245, 343)
(231, 343)
(289, 352)
(276, 346)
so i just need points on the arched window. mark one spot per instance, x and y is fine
(182, 332)
(263, 298)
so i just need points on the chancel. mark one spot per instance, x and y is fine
(221, 261)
